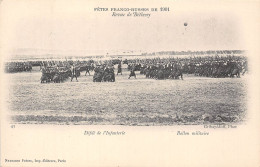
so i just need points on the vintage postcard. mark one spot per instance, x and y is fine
(130, 83)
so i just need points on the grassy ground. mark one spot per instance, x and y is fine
(141, 101)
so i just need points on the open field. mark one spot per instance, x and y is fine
(141, 101)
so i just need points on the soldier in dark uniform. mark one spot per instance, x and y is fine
(87, 70)
(132, 72)
(74, 73)
(119, 70)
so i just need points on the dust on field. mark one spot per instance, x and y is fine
(141, 101)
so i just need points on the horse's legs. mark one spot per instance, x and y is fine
(238, 74)
(244, 71)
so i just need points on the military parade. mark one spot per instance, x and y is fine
(12, 67)
(168, 81)
(156, 68)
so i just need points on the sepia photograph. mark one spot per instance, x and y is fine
(129, 83)
(190, 70)
(129, 88)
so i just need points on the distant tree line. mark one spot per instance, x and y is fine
(195, 52)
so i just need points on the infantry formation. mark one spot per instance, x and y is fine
(12, 67)
(141, 91)
(210, 66)
(155, 68)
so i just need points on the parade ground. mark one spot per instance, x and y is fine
(132, 102)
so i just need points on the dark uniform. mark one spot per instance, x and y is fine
(74, 73)
(132, 73)
(87, 71)
(119, 70)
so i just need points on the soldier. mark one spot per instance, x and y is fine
(132, 72)
(87, 70)
(119, 70)
(74, 73)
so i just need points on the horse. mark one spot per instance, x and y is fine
(160, 74)
(176, 74)
(98, 75)
(45, 78)
(108, 77)
(234, 72)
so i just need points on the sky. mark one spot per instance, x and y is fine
(60, 27)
